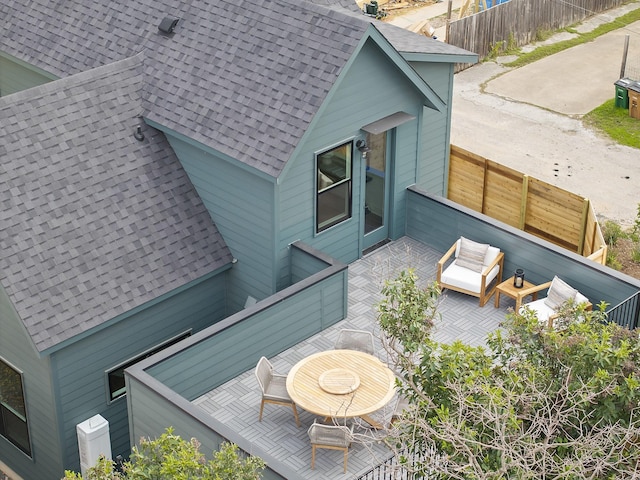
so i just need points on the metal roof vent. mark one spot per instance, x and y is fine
(168, 25)
(138, 135)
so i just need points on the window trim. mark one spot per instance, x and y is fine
(135, 359)
(347, 183)
(11, 410)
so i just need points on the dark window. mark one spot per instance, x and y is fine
(13, 413)
(115, 377)
(333, 199)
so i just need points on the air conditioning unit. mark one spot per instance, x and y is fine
(93, 441)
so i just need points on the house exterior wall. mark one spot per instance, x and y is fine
(15, 77)
(241, 203)
(435, 132)
(371, 89)
(17, 349)
(80, 369)
(162, 387)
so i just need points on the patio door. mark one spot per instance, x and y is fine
(376, 205)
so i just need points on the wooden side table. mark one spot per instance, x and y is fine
(518, 294)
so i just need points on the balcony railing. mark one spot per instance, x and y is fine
(626, 313)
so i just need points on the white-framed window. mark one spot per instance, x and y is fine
(334, 186)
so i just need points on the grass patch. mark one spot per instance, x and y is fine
(546, 50)
(615, 122)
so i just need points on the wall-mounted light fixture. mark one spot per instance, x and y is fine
(363, 147)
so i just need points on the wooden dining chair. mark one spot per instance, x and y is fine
(274, 387)
(332, 437)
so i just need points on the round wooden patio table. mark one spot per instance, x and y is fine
(341, 384)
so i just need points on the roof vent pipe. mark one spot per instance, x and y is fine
(138, 134)
(168, 25)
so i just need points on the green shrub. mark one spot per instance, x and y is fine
(612, 232)
(612, 260)
(635, 253)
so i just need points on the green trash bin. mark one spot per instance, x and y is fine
(622, 94)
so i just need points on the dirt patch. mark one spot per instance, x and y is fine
(623, 252)
(398, 9)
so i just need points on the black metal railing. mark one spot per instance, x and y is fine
(626, 313)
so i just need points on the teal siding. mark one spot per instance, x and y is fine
(438, 222)
(305, 263)
(267, 328)
(371, 89)
(17, 349)
(154, 413)
(81, 368)
(242, 206)
(436, 134)
(162, 386)
(15, 77)
(438, 76)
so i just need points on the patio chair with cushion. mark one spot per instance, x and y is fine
(333, 437)
(476, 269)
(359, 340)
(274, 387)
(559, 292)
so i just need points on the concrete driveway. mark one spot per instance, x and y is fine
(530, 118)
(574, 81)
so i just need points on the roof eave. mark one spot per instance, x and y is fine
(439, 57)
(432, 99)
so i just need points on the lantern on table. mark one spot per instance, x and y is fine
(518, 278)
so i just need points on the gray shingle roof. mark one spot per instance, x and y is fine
(244, 78)
(94, 222)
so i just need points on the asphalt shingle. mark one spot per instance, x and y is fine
(243, 78)
(94, 222)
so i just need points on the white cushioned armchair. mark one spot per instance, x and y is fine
(472, 268)
(546, 309)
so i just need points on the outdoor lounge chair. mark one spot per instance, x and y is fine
(274, 388)
(475, 270)
(359, 340)
(333, 437)
(559, 292)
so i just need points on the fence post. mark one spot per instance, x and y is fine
(448, 24)
(523, 201)
(583, 228)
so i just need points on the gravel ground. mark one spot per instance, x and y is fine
(530, 119)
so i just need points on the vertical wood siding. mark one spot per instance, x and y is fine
(80, 369)
(17, 349)
(439, 222)
(242, 207)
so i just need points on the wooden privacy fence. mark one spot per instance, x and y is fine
(518, 22)
(524, 202)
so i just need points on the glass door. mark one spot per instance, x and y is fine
(376, 190)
